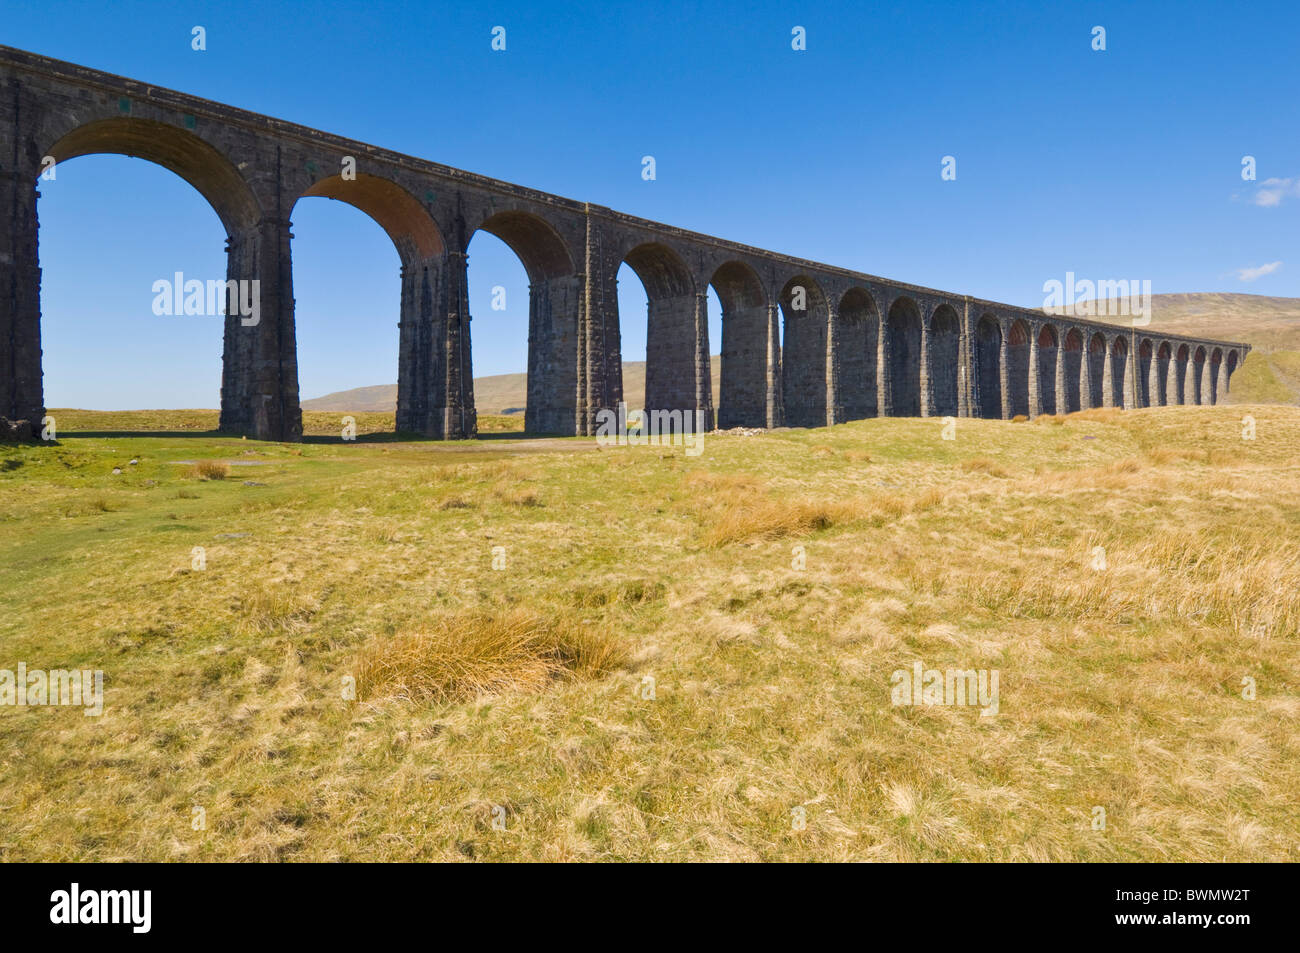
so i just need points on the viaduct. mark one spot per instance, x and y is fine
(854, 345)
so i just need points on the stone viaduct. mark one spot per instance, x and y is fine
(854, 345)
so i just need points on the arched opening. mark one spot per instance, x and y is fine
(1180, 375)
(1199, 391)
(1048, 342)
(742, 395)
(1163, 357)
(1146, 354)
(675, 319)
(1216, 362)
(856, 354)
(1097, 369)
(1018, 368)
(349, 313)
(1118, 370)
(803, 353)
(111, 338)
(546, 339)
(903, 345)
(1073, 370)
(165, 285)
(944, 342)
(988, 351)
(1232, 367)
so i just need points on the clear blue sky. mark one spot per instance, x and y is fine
(1117, 164)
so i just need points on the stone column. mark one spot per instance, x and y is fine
(259, 373)
(1130, 375)
(773, 404)
(1085, 374)
(1107, 376)
(1035, 398)
(1223, 379)
(884, 372)
(552, 403)
(22, 394)
(834, 410)
(703, 404)
(1062, 405)
(1189, 380)
(1004, 378)
(1206, 377)
(927, 385)
(1154, 397)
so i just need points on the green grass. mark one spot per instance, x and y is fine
(632, 569)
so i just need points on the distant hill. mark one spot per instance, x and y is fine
(1271, 326)
(1271, 373)
(498, 394)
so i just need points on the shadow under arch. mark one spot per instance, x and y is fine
(988, 372)
(677, 372)
(803, 353)
(856, 355)
(743, 391)
(943, 346)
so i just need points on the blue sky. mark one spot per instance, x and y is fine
(1117, 164)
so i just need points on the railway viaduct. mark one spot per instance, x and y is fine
(854, 345)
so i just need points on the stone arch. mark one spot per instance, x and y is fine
(988, 371)
(856, 349)
(1072, 367)
(803, 352)
(943, 347)
(397, 211)
(1164, 355)
(1118, 370)
(1230, 366)
(183, 152)
(1018, 368)
(534, 241)
(903, 345)
(742, 398)
(1216, 362)
(1097, 368)
(1199, 396)
(676, 327)
(1048, 342)
(554, 301)
(1142, 390)
(1181, 363)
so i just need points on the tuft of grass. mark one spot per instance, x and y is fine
(209, 470)
(983, 465)
(462, 655)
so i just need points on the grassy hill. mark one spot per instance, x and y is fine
(1271, 372)
(498, 394)
(651, 675)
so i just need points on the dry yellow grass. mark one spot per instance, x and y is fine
(209, 470)
(1134, 577)
(461, 656)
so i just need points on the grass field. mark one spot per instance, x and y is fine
(650, 675)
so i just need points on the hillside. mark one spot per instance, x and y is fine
(652, 678)
(498, 394)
